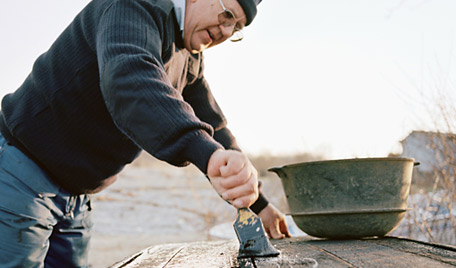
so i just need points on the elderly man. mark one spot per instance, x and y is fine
(124, 76)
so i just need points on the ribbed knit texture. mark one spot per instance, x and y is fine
(116, 81)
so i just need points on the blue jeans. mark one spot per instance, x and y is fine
(41, 224)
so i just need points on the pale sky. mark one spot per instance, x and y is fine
(339, 77)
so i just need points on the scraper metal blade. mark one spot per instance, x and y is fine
(251, 235)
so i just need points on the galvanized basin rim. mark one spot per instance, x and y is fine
(359, 211)
(326, 162)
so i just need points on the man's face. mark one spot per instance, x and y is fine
(202, 27)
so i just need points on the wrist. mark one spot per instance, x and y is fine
(259, 204)
(200, 149)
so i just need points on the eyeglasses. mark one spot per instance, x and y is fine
(227, 19)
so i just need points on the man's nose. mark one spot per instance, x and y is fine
(227, 31)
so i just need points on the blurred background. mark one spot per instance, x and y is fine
(312, 80)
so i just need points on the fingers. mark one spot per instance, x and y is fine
(275, 230)
(239, 191)
(217, 159)
(242, 188)
(233, 177)
(233, 165)
(241, 177)
(243, 202)
(274, 222)
(242, 196)
(226, 163)
(279, 230)
(275, 234)
(284, 228)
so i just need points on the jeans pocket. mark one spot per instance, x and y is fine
(19, 169)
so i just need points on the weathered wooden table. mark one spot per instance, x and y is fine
(299, 252)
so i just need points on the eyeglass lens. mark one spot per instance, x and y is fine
(226, 18)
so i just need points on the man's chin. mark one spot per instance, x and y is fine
(200, 49)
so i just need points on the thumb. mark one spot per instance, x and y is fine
(216, 160)
(233, 164)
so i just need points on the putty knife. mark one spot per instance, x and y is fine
(251, 235)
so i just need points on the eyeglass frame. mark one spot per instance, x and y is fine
(230, 13)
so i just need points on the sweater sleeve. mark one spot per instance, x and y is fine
(140, 98)
(206, 108)
(199, 96)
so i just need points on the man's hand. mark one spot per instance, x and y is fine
(274, 222)
(233, 177)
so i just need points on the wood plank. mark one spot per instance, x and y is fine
(361, 253)
(155, 256)
(441, 253)
(297, 252)
(197, 254)
(205, 254)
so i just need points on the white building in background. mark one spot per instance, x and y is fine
(431, 149)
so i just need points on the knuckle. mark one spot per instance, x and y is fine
(227, 195)
(230, 182)
(245, 202)
(245, 175)
(252, 187)
(224, 184)
(238, 180)
(253, 183)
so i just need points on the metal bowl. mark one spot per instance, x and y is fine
(349, 198)
(349, 224)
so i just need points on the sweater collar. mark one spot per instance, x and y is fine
(179, 10)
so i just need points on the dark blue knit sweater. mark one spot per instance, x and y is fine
(116, 81)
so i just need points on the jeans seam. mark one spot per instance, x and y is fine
(3, 144)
